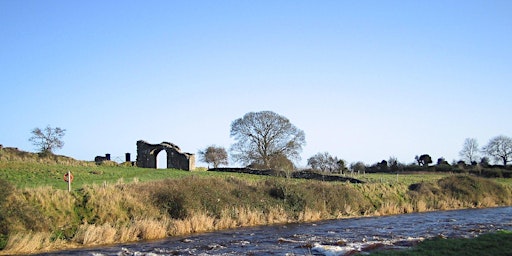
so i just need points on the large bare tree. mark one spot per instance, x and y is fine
(469, 151)
(262, 135)
(48, 139)
(500, 149)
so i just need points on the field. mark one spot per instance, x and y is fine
(34, 174)
(116, 203)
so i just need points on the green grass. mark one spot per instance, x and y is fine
(32, 175)
(499, 243)
(406, 179)
(504, 181)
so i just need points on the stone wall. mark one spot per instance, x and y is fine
(297, 175)
(101, 159)
(147, 154)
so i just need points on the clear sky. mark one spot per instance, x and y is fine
(365, 80)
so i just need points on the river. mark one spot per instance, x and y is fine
(333, 237)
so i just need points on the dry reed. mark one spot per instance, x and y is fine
(25, 243)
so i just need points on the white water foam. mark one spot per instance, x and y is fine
(339, 250)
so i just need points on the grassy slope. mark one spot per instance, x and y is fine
(499, 243)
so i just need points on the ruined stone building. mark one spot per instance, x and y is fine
(147, 155)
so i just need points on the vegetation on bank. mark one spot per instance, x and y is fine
(499, 243)
(113, 204)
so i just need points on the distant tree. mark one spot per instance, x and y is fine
(383, 166)
(441, 161)
(48, 140)
(460, 164)
(424, 160)
(342, 167)
(500, 149)
(317, 161)
(484, 161)
(469, 152)
(358, 167)
(214, 155)
(280, 162)
(394, 165)
(325, 162)
(261, 135)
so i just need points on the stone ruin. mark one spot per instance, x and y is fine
(101, 159)
(147, 154)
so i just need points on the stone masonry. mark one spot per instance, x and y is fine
(147, 154)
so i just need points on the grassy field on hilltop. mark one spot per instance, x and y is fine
(32, 175)
(29, 170)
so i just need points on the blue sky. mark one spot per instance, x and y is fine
(365, 80)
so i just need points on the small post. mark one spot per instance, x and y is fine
(69, 181)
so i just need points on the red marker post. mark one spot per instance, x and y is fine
(68, 177)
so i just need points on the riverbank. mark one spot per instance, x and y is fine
(496, 244)
(44, 218)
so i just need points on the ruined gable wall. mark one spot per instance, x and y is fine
(147, 153)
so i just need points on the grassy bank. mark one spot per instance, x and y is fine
(114, 204)
(499, 243)
(46, 218)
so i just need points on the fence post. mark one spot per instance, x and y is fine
(69, 181)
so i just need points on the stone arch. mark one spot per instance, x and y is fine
(147, 153)
(161, 158)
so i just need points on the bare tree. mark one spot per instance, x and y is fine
(214, 155)
(261, 135)
(469, 151)
(500, 149)
(325, 162)
(48, 139)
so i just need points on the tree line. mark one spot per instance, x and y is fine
(267, 140)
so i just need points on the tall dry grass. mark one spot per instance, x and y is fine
(29, 242)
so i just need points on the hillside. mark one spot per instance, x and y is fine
(116, 203)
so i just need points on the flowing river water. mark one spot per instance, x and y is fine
(333, 237)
